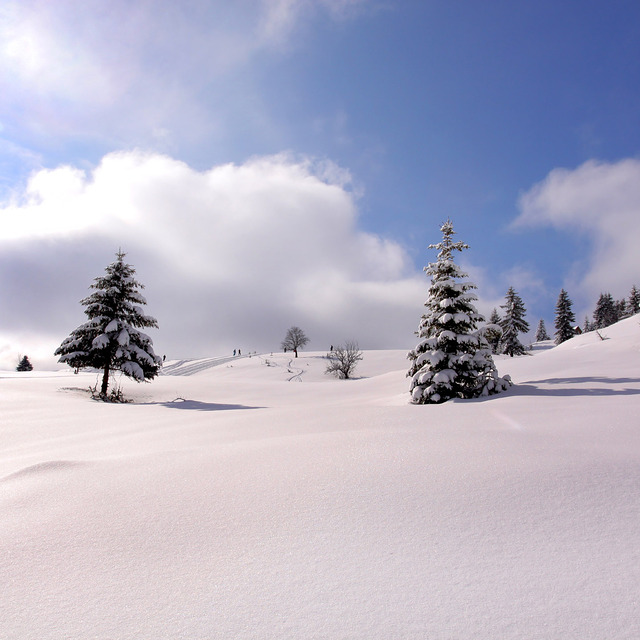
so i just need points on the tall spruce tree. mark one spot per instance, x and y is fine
(513, 323)
(606, 312)
(633, 304)
(541, 332)
(452, 359)
(111, 340)
(564, 318)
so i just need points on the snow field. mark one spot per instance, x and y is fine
(271, 501)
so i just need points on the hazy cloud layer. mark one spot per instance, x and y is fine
(231, 257)
(601, 201)
(161, 74)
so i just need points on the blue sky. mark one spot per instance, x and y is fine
(275, 162)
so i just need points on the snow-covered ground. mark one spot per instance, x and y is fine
(259, 498)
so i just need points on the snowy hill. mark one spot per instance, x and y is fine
(260, 498)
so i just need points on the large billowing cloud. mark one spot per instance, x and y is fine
(601, 201)
(231, 257)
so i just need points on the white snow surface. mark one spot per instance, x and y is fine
(260, 498)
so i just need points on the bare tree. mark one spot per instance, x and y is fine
(294, 339)
(343, 360)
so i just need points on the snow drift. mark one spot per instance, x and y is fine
(262, 499)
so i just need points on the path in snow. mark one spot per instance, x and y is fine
(296, 371)
(189, 367)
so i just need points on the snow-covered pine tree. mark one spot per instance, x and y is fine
(493, 332)
(606, 312)
(564, 318)
(512, 324)
(452, 359)
(633, 305)
(24, 365)
(541, 332)
(111, 339)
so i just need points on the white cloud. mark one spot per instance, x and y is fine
(231, 256)
(602, 202)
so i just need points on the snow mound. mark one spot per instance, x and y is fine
(42, 468)
(612, 353)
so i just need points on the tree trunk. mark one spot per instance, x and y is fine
(105, 380)
(295, 350)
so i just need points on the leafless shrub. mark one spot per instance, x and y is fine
(344, 359)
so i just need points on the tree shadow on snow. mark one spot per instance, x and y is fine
(196, 405)
(529, 388)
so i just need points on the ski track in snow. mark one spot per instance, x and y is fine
(297, 372)
(193, 366)
(190, 367)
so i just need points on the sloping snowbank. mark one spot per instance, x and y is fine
(263, 499)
